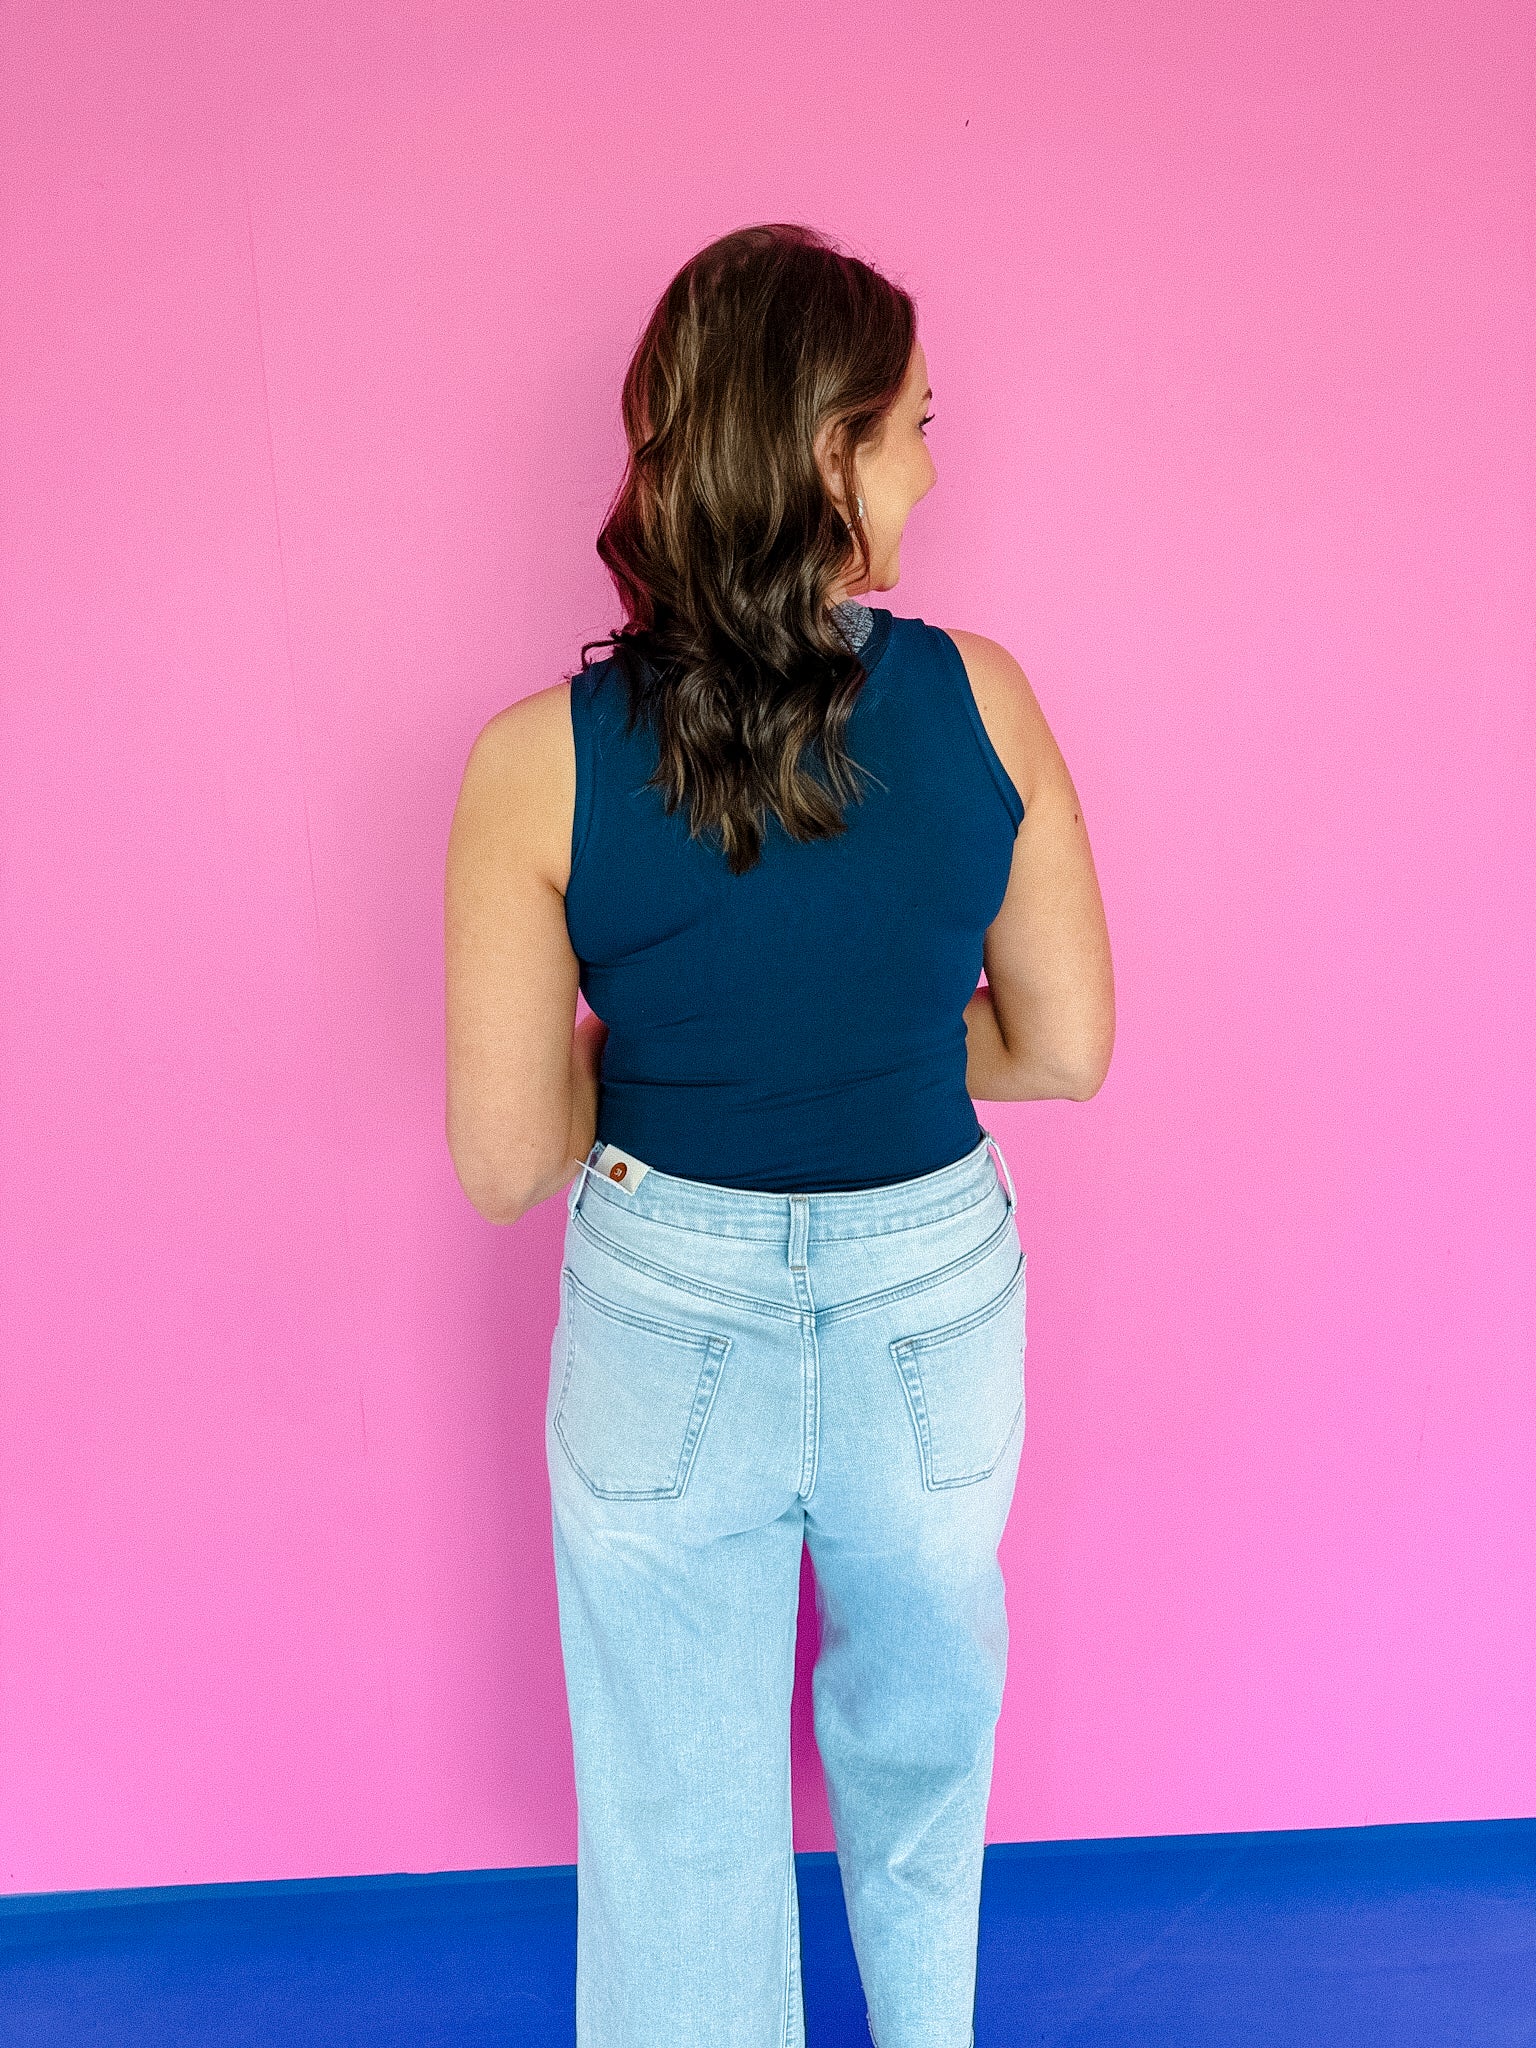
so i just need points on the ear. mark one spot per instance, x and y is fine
(831, 437)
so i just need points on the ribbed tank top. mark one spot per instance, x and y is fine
(800, 1027)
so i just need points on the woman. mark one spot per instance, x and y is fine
(773, 836)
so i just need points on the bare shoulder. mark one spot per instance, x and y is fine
(1010, 711)
(520, 781)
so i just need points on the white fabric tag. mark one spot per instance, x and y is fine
(622, 1168)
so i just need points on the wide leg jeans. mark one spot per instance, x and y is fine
(735, 1374)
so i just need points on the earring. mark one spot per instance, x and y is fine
(861, 507)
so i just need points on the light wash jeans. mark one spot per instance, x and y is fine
(734, 1373)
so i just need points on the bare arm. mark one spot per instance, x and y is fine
(1044, 1025)
(521, 1083)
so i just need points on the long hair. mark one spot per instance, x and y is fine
(723, 539)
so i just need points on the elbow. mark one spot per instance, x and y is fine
(495, 1200)
(1087, 1085)
(1091, 1068)
(499, 1190)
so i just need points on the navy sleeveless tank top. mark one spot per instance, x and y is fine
(800, 1027)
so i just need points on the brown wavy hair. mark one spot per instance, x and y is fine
(723, 539)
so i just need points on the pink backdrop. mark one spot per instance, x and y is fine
(314, 322)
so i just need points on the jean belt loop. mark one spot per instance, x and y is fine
(1003, 1163)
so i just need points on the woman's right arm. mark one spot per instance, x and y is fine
(1043, 1027)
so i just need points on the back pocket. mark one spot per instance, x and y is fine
(635, 1396)
(964, 1384)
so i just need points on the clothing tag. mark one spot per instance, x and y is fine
(622, 1168)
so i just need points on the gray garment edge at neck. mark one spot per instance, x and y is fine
(855, 621)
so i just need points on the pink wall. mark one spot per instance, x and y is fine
(313, 328)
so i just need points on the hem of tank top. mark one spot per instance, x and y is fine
(856, 1188)
(1007, 788)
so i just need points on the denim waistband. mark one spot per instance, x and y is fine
(827, 1213)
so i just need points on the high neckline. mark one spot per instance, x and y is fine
(855, 621)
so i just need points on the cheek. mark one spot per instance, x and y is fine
(916, 480)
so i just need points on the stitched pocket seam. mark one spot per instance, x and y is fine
(907, 1353)
(714, 1350)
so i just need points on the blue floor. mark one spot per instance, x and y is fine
(1385, 1937)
